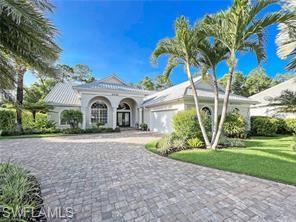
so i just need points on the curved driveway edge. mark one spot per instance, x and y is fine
(111, 177)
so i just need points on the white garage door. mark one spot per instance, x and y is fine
(161, 121)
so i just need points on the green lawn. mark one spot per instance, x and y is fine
(265, 157)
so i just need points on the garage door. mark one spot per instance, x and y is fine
(161, 121)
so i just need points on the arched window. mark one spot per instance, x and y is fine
(124, 106)
(207, 111)
(235, 110)
(99, 113)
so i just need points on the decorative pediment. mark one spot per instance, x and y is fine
(113, 79)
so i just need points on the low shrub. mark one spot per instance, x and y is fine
(186, 125)
(144, 126)
(7, 119)
(263, 126)
(235, 125)
(19, 190)
(164, 145)
(179, 144)
(74, 131)
(195, 143)
(291, 125)
(230, 142)
(30, 132)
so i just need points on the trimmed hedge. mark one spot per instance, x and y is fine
(269, 126)
(291, 125)
(54, 130)
(263, 126)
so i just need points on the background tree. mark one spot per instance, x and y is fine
(279, 78)
(147, 83)
(240, 29)
(161, 82)
(238, 84)
(78, 73)
(257, 81)
(34, 100)
(286, 39)
(27, 41)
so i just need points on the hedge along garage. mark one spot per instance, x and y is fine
(161, 120)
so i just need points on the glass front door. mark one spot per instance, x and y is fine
(123, 119)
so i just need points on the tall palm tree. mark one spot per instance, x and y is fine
(183, 50)
(241, 29)
(286, 39)
(210, 55)
(26, 41)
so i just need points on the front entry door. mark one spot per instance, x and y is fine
(123, 119)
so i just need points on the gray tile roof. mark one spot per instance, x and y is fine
(63, 94)
(183, 89)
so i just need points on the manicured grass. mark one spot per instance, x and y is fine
(151, 146)
(266, 157)
(32, 136)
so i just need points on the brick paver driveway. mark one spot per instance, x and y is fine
(111, 177)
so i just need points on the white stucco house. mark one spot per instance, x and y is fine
(265, 97)
(116, 104)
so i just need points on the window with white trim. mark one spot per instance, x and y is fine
(99, 113)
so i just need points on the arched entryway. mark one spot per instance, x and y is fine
(126, 113)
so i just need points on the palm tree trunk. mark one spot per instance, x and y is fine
(202, 128)
(19, 97)
(232, 65)
(216, 105)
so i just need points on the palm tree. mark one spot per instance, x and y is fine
(241, 29)
(26, 41)
(210, 55)
(286, 39)
(183, 50)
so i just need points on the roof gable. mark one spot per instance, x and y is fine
(113, 79)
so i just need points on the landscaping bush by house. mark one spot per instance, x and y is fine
(263, 126)
(19, 190)
(235, 126)
(195, 143)
(291, 125)
(269, 126)
(7, 119)
(72, 117)
(186, 125)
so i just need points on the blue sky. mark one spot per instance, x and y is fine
(119, 36)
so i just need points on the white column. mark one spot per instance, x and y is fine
(114, 117)
(84, 116)
(140, 116)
